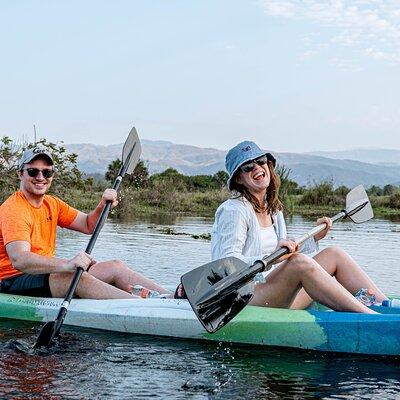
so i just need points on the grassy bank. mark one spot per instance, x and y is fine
(144, 202)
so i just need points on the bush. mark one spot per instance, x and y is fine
(394, 200)
(322, 194)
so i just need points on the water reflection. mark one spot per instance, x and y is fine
(94, 364)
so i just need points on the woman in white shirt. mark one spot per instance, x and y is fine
(251, 224)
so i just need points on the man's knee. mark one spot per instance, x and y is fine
(59, 282)
(118, 264)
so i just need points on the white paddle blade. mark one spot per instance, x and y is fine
(132, 142)
(355, 198)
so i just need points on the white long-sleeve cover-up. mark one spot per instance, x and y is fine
(236, 232)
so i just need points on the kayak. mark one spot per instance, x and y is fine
(316, 328)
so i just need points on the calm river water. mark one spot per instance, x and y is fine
(94, 364)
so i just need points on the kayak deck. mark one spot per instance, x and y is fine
(317, 328)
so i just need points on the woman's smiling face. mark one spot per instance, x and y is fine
(257, 180)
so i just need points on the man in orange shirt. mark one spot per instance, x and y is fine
(28, 223)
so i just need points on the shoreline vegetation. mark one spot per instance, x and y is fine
(142, 195)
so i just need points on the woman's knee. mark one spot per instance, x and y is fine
(299, 259)
(302, 263)
(333, 254)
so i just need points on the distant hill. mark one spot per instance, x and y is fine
(159, 155)
(389, 157)
(306, 168)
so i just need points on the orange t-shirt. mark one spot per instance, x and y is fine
(20, 220)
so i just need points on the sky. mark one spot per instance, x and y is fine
(293, 75)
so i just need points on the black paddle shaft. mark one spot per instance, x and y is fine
(79, 271)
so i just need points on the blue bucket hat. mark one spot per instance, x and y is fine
(241, 154)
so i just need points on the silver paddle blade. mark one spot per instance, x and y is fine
(358, 205)
(132, 142)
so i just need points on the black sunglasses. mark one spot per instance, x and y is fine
(248, 167)
(34, 172)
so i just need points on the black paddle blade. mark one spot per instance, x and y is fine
(46, 335)
(216, 309)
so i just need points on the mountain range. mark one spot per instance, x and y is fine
(351, 167)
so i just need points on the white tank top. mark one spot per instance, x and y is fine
(269, 240)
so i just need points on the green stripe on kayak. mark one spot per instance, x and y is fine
(258, 326)
(21, 307)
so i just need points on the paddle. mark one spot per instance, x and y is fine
(221, 289)
(130, 157)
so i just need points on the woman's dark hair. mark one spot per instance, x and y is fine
(273, 204)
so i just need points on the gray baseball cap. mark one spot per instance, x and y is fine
(30, 154)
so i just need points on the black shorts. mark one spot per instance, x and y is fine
(27, 285)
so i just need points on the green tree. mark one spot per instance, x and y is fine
(138, 179)
(9, 157)
(342, 190)
(112, 170)
(321, 194)
(201, 182)
(68, 175)
(389, 190)
(221, 178)
(171, 178)
(375, 191)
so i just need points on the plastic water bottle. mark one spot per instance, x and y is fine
(395, 303)
(366, 297)
(144, 293)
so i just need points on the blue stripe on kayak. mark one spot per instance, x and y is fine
(360, 333)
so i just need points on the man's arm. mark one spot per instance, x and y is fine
(85, 223)
(25, 261)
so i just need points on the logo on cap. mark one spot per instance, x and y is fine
(248, 148)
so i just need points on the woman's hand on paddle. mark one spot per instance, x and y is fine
(291, 245)
(110, 195)
(82, 260)
(322, 234)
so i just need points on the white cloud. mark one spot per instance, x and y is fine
(370, 26)
(345, 65)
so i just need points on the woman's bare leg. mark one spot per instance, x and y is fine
(117, 273)
(284, 283)
(336, 262)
